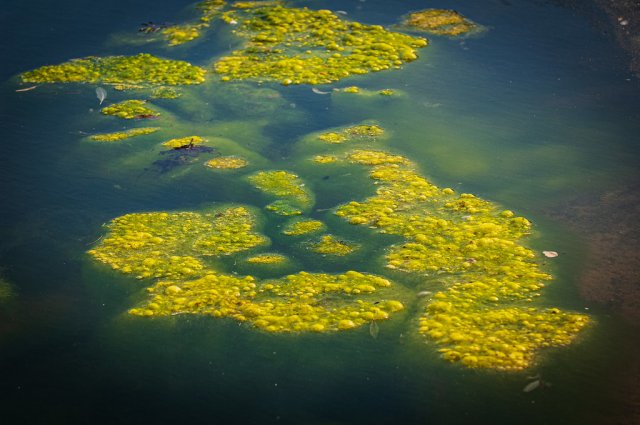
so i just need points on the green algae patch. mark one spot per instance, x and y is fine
(484, 317)
(299, 227)
(303, 46)
(283, 208)
(372, 157)
(360, 132)
(122, 135)
(227, 163)
(180, 34)
(440, 22)
(283, 184)
(130, 109)
(183, 142)
(173, 245)
(267, 258)
(331, 245)
(303, 302)
(139, 69)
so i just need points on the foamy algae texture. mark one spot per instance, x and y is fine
(139, 69)
(303, 46)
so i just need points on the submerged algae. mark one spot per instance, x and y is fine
(303, 46)
(130, 109)
(122, 135)
(482, 318)
(267, 258)
(138, 69)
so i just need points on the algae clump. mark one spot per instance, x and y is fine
(183, 142)
(303, 46)
(440, 22)
(130, 109)
(122, 135)
(283, 184)
(303, 227)
(139, 69)
(227, 163)
(484, 317)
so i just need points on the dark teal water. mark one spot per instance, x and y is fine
(535, 111)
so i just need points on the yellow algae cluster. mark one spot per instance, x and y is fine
(371, 157)
(227, 163)
(282, 184)
(484, 317)
(303, 227)
(356, 132)
(301, 302)
(386, 92)
(330, 245)
(183, 142)
(180, 34)
(171, 245)
(138, 69)
(267, 258)
(130, 109)
(303, 46)
(351, 89)
(440, 22)
(122, 135)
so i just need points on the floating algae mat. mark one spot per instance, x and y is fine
(314, 212)
(484, 317)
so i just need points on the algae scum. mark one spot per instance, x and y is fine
(486, 308)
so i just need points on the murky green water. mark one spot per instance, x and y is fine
(537, 110)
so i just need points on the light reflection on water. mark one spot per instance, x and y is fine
(527, 115)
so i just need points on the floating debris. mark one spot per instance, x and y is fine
(532, 386)
(550, 254)
(101, 94)
(26, 89)
(318, 91)
(374, 329)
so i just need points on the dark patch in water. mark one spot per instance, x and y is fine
(181, 156)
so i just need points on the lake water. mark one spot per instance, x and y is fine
(537, 110)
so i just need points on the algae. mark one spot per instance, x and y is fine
(122, 135)
(441, 22)
(130, 109)
(303, 46)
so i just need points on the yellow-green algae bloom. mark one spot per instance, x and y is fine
(484, 317)
(330, 245)
(139, 69)
(227, 163)
(180, 34)
(371, 157)
(267, 258)
(183, 142)
(172, 245)
(130, 109)
(303, 46)
(122, 135)
(351, 89)
(440, 22)
(301, 302)
(282, 184)
(360, 132)
(299, 227)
